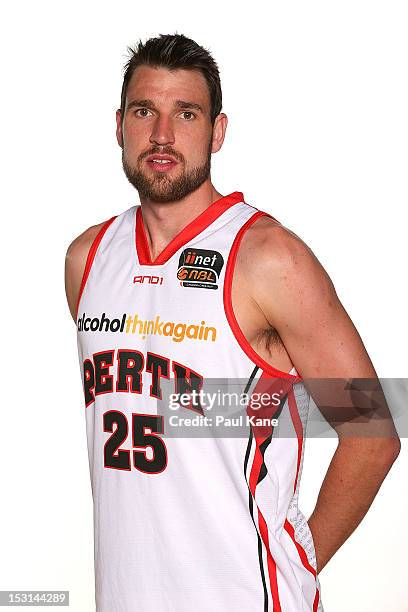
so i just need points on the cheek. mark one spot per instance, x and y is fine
(136, 135)
(195, 146)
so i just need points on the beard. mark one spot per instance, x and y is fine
(161, 187)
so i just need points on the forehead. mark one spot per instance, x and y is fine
(164, 86)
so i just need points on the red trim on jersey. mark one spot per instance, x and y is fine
(189, 232)
(263, 385)
(297, 424)
(233, 323)
(316, 600)
(90, 258)
(303, 556)
(273, 580)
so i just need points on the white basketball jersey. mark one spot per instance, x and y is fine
(188, 516)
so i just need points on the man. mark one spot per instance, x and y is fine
(188, 286)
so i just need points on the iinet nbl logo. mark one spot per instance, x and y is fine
(200, 268)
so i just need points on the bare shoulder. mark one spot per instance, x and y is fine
(267, 237)
(75, 261)
(272, 252)
(298, 299)
(283, 277)
(80, 246)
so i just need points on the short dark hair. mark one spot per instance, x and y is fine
(174, 51)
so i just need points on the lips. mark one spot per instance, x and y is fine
(161, 163)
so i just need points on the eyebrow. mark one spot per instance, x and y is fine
(179, 103)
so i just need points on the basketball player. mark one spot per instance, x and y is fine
(188, 286)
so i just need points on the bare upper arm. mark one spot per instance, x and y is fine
(75, 261)
(299, 300)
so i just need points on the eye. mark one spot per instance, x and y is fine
(143, 111)
(190, 115)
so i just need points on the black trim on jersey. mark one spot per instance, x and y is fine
(251, 511)
(251, 502)
(262, 447)
(262, 473)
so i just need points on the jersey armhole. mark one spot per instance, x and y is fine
(90, 258)
(232, 321)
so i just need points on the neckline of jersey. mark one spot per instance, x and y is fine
(190, 231)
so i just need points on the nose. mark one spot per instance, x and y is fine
(162, 132)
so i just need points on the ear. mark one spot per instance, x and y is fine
(219, 129)
(119, 134)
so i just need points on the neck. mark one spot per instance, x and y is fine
(163, 221)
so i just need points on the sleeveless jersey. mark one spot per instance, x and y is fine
(187, 521)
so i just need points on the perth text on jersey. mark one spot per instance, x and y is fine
(133, 324)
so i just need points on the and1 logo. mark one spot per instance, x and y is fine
(199, 268)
